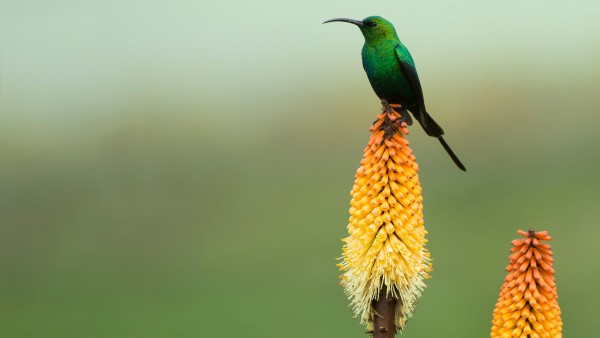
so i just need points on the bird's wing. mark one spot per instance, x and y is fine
(410, 72)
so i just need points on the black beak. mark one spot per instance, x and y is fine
(355, 22)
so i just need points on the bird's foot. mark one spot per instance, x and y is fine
(395, 109)
(386, 107)
(395, 119)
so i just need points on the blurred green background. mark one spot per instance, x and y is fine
(182, 169)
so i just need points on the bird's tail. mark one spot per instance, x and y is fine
(433, 129)
(428, 123)
(452, 154)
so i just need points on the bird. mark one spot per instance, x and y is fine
(393, 75)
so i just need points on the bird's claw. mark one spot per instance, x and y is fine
(398, 109)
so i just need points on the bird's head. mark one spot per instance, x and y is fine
(373, 28)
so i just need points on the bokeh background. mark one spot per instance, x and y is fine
(182, 169)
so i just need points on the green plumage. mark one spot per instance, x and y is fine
(393, 75)
(381, 64)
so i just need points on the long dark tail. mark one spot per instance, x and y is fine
(452, 154)
(433, 129)
(429, 125)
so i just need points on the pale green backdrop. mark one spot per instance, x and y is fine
(182, 169)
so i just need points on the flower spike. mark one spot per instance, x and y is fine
(384, 254)
(528, 305)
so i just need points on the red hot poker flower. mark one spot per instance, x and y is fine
(527, 305)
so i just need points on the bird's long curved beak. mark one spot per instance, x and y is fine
(355, 22)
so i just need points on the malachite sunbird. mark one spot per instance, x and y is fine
(393, 75)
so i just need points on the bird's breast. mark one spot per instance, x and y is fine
(384, 73)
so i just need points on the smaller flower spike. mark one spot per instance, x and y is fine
(527, 305)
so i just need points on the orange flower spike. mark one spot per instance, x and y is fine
(385, 249)
(527, 305)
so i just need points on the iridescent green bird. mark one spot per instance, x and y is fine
(393, 75)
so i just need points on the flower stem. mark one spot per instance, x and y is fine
(384, 308)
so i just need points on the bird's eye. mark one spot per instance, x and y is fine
(370, 23)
